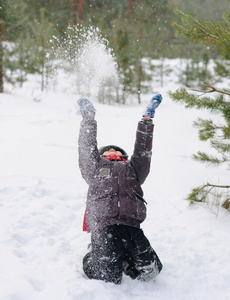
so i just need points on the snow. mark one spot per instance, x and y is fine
(42, 201)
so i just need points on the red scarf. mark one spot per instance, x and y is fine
(85, 226)
(114, 157)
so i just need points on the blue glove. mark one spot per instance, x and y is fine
(86, 107)
(154, 103)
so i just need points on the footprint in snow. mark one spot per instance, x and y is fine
(37, 285)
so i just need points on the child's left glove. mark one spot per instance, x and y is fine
(86, 107)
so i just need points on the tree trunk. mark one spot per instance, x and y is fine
(162, 72)
(1, 58)
(76, 7)
(2, 30)
(130, 6)
(1, 65)
(140, 74)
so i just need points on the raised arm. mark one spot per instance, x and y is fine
(141, 157)
(87, 141)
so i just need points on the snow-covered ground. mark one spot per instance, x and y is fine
(42, 202)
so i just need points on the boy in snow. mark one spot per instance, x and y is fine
(115, 206)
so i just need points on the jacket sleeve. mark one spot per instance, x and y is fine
(87, 148)
(141, 157)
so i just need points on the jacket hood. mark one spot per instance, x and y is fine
(116, 148)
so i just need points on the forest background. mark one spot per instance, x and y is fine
(132, 29)
(41, 37)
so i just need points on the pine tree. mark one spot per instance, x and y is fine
(216, 36)
(43, 32)
(13, 20)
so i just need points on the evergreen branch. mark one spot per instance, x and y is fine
(214, 105)
(209, 159)
(201, 193)
(206, 32)
(207, 129)
(222, 148)
(218, 133)
(209, 34)
(226, 204)
(218, 186)
(191, 100)
(213, 89)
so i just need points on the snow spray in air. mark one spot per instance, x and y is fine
(85, 64)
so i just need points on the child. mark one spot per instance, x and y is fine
(115, 206)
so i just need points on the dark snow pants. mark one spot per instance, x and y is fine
(119, 248)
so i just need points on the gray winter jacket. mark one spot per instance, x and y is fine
(115, 195)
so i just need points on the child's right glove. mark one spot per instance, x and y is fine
(154, 103)
(86, 107)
